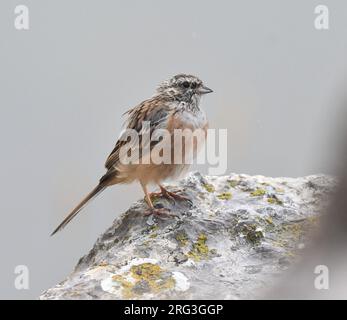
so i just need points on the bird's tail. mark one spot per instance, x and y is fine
(99, 188)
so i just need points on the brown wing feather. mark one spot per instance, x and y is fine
(155, 110)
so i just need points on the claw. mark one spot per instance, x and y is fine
(174, 195)
(177, 196)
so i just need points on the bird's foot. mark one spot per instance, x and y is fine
(174, 195)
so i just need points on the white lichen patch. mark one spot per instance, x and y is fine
(110, 286)
(181, 281)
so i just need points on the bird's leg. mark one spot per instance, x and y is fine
(152, 209)
(173, 195)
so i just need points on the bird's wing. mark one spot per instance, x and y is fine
(155, 111)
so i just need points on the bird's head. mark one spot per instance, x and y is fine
(184, 87)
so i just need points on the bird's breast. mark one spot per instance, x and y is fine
(188, 120)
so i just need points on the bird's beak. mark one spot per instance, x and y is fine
(205, 90)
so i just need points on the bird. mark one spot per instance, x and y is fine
(174, 106)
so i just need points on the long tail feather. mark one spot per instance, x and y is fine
(80, 206)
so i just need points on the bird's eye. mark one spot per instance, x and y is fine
(194, 85)
(185, 84)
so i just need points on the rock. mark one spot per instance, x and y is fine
(237, 236)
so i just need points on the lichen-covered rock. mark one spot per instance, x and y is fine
(235, 237)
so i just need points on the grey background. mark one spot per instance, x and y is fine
(65, 83)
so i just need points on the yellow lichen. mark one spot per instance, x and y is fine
(288, 234)
(150, 275)
(274, 200)
(258, 192)
(269, 220)
(126, 286)
(209, 187)
(152, 231)
(233, 183)
(155, 199)
(199, 249)
(224, 196)
(146, 243)
(154, 227)
(252, 233)
(153, 275)
(295, 229)
(145, 271)
(182, 238)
